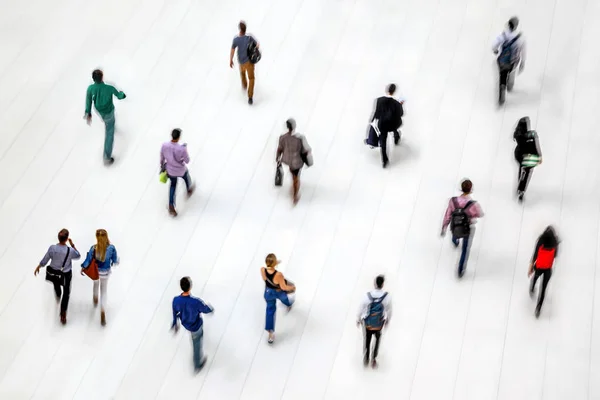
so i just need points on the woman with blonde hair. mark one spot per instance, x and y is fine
(105, 256)
(276, 287)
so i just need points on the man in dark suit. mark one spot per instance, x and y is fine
(388, 113)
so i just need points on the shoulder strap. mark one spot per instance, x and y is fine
(510, 43)
(66, 258)
(384, 296)
(369, 296)
(469, 204)
(455, 203)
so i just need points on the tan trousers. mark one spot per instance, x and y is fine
(248, 69)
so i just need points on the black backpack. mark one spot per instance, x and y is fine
(508, 55)
(253, 51)
(460, 222)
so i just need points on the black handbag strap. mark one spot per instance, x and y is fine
(66, 258)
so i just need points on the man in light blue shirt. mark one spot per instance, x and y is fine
(242, 43)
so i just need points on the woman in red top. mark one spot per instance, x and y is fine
(546, 250)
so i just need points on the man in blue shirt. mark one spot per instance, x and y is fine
(189, 310)
(241, 43)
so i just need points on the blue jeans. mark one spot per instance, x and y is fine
(197, 346)
(271, 296)
(466, 248)
(109, 134)
(188, 184)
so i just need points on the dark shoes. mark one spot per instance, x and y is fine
(520, 196)
(109, 161)
(250, 101)
(172, 211)
(63, 318)
(190, 191)
(502, 95)
(538, 310)
(385, 164)
(202, 364)
(102, 318)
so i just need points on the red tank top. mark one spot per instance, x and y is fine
(545, 258)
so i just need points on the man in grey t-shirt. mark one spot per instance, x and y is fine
(241, 43)
(61, 259)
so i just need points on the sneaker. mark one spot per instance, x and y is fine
(374, 364)
(172, 211)
(109, 161)
(250, 101)
(63, 318)
(271, 340)
(521, 194)
(102, 318)
(202, 364)
(385, 164)
(538, 310)
(190, 192)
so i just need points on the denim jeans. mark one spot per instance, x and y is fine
(188, 184)
(466, 248)
(109, 134)
(197, 346)
(271, 296)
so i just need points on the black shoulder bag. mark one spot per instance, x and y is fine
(57, 277)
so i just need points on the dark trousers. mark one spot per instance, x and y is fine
(466, 249)
(66, 294)
(368, 336)
(383, 143)
(546, 275)
(506, 79)
(188, 185)
(524, 176)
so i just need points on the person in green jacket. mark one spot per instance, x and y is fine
(101, 95)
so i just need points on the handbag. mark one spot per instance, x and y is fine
(57, 277)
(278, 175)
(92, 270)
(305, 151)
(163, 177)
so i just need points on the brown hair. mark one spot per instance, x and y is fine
(63, 236)
(242, 26)
(102, 244)
(271, 261)
(466, 186)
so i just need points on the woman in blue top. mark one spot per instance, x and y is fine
(105, 255)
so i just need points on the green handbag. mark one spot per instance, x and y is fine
(163, 177)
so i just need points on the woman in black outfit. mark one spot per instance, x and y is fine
(527, 145)
(546, 250)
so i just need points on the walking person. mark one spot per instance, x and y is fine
(189, 309)
(59, 271)
(101, 95)
(374, 314)
(173, 159)
(527, 154)
(276, 288)
(245, 45)
(104, 254)
(388, 114)
(461, 215)
(542, 261)
(294, 151)
(510, 48)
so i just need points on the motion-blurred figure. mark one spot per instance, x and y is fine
(247, 48)
(101, 95)
(59, 271)
(527, 153)
(294, 151)
(374, 314)
(104, 254)
(189, 310)
(173, 159)
(510, 48)
(461, 215)
(388, 114)
(542, 261)
(276, 288)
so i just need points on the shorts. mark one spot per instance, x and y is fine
(295, 172)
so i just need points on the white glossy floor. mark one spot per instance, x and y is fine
(324, 62)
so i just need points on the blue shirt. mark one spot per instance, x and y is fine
(56, 255)
(110, 258)
(189, 310)
(242, 43)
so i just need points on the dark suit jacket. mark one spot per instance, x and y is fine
(383, 104)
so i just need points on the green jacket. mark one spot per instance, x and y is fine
(101, 95)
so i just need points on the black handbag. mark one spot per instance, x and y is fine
(279, 175)
(57, 277)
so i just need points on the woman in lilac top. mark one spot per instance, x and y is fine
(472, 209)
(173, 159)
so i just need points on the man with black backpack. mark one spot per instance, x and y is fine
(248, 55)
(388, 113)
(527, 153)
(510, 48)
(374, 313)
(461, 214)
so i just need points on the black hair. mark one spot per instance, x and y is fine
(523, 125)
(185, 283)
(548, 239)
(290, 124)
(466, 186)
(63, 236)
(242, 26)
(97, 75)
(379, 281)
(392, 88)
(513, 23)
(176, 134)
